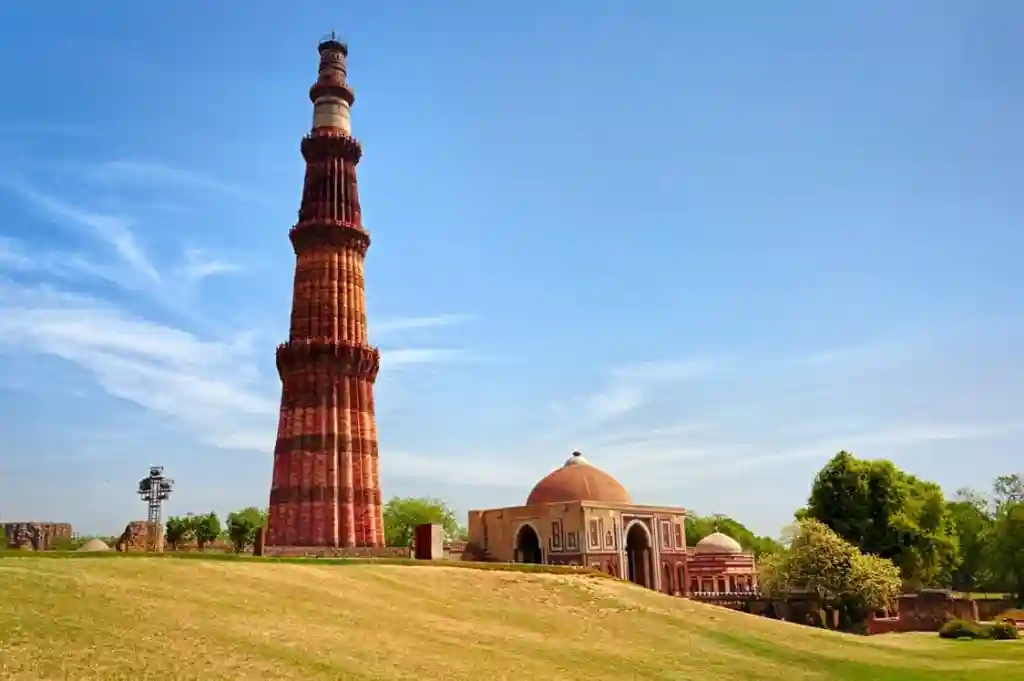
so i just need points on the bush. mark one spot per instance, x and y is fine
(999, 631)
(963, 629)
(1003, 631)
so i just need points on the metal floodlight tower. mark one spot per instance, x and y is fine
(155, 489)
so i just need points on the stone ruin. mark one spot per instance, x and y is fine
(926, 610)
(35, 536)
(141, 536)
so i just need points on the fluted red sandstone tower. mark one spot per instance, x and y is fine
(326, 485)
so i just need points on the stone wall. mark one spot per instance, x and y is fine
(141, 536)
(927, 610)
(797, 608)
(38, 536)
(990, 608)
(354, 552)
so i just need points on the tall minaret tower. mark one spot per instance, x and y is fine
(326, 484)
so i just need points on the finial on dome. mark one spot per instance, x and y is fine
(574, 459)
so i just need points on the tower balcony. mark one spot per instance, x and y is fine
(307, 358)
(324, 144)
(330, 234)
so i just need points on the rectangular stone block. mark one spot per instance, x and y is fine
(429, 542)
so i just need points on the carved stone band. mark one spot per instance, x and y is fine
(328, 145)
(294, 495)
(312, 356)
(334, 234)
(320, 442)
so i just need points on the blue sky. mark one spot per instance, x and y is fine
(707, 244)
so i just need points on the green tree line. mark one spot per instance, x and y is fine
(973, 542)
(401, 516)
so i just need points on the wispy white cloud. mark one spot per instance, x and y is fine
(631, 384)
(672, 369)
(210, 386)
(14, 257)
(866, 352)
(134, 171)
(400, 357)
(492, 471)
(197, 265)
(386, 326)
(909, 434)
(613, 402)
(113, 230)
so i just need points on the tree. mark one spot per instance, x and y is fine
(821, 562)
(177, 530)
(403, 514)
(1008, 488)
(205, 528)
(972, 523)
(1005, 548)
(243, 526)
(3, 538)
(887, 512)
(698, 527)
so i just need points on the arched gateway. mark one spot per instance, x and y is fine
(638, 556)
(528, 546)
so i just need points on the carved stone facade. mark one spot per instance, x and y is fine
(325, 491)
(35, 536)
(580, 515)
(719, 566)
(141, 536)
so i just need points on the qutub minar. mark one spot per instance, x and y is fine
(325, 490)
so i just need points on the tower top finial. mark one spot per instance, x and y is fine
(331, 43)
(331, 95)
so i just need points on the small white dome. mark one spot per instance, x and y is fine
(716, 542)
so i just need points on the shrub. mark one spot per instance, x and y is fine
(962, 629)
(999, 631)
(1003, 631)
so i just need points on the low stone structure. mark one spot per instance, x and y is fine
(259, 547)
(926, 610)
(428, 543)
(35, 536)
(991, 608)
(455, 550)
(350, 552)
(141, 536)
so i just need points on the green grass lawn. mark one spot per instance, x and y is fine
(155, 618)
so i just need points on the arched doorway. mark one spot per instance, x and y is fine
(638, 556)
(528, 545)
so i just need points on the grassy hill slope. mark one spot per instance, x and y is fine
(151, 618)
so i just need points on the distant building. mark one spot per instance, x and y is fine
(38, 536)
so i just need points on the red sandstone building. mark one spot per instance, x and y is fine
(581, 515)
(325, 491)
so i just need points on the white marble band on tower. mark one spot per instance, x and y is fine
(332, 112)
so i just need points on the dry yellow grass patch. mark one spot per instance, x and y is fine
(113, 618)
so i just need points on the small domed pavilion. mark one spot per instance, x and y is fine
(718, 565)
(580, 515)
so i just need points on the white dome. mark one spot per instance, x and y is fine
(716, 542)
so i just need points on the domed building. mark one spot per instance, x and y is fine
(580, 515)
(718, 565)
